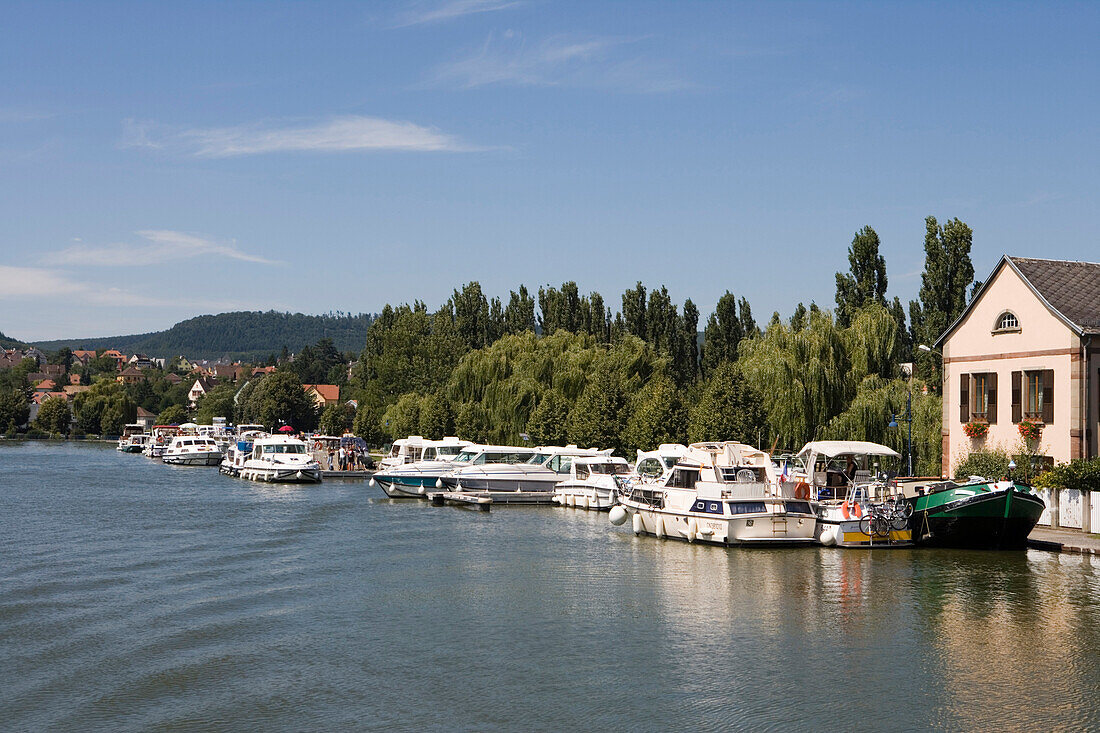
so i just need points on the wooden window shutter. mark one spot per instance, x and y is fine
(991, 397)
(1017, 378)
(964, 398)
(1048, 396)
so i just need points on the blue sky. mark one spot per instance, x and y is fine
(162, 160)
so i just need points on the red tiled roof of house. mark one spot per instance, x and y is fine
(328, 392)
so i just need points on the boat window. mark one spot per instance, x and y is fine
(669, 461)
(564, 464)
(683, 478)
(650, 467)
(447, 450)
(582, 470)
(710, 507)
(747, 507)
(798, 507)
(742, 474)
(281, 448)
(464, 457)
(429, 454)
(395, 450)
(610, 469)
(538, 459)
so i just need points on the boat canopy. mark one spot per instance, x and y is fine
(834, 448)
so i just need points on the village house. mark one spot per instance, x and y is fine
(1027, 347)
(145, 418)
(225, 371)
(263, 370)
(83, 356)
(130, 375)
(141, 361)
(323, 394)
(201, 386)
(118, 356)
(173, 378)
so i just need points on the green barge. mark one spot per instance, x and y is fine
(995, 515)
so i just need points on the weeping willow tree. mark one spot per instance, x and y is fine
(873, 342)
(876, 404)
(803, 378)
(807, 378)
(497, 391)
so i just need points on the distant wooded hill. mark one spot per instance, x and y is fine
(9, 343)
(246, 335)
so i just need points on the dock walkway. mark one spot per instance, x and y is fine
(1063, 540)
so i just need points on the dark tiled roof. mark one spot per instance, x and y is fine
(1072, 288)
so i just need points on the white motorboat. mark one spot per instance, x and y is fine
(724, 493)
(240, 450)
(159, 438)
(656, 464)
(415, 480)
(192, 450)
(544, 469)
(415, 448)
(133, 438)
(843, 478)
(592, 483)
(273, 458)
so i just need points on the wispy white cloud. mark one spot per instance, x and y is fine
(592, 62)
(421, 12)
(19, 283)
(161, 246)
(348, 133)
(33, 282)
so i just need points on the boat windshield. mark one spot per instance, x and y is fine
(538, 459)
(465, 456)
(284, 448)
(448, 450)
(610, 469)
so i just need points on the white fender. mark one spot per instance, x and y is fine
(637, 523)
(421, 490)
(659, 526)
(618, 516)
(692, 528)
(439, 483)
(584, 502)
(828, 536)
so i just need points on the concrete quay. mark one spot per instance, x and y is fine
(1063, 540)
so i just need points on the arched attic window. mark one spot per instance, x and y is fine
(1007, 321)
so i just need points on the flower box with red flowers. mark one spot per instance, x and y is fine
(1030, 429)
(976, 429)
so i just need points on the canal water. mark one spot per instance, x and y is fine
(135, 595)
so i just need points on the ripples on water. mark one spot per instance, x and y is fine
(137, 595)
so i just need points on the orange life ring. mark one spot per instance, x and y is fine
(844, 510)
(857, 511)
(317, 445)
(802, 490)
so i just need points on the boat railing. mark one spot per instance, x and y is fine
(650, 495)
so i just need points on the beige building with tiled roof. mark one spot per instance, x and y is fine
(1026, 348)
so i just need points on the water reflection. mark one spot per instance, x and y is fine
(134, 596)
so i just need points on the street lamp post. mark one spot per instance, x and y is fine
(907, 370)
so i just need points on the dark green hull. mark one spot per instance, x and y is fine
(973, 517)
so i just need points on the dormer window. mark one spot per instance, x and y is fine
(1007, 322)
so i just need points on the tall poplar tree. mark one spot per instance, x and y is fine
(948, 274)
(865, 283)
(723, 333)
